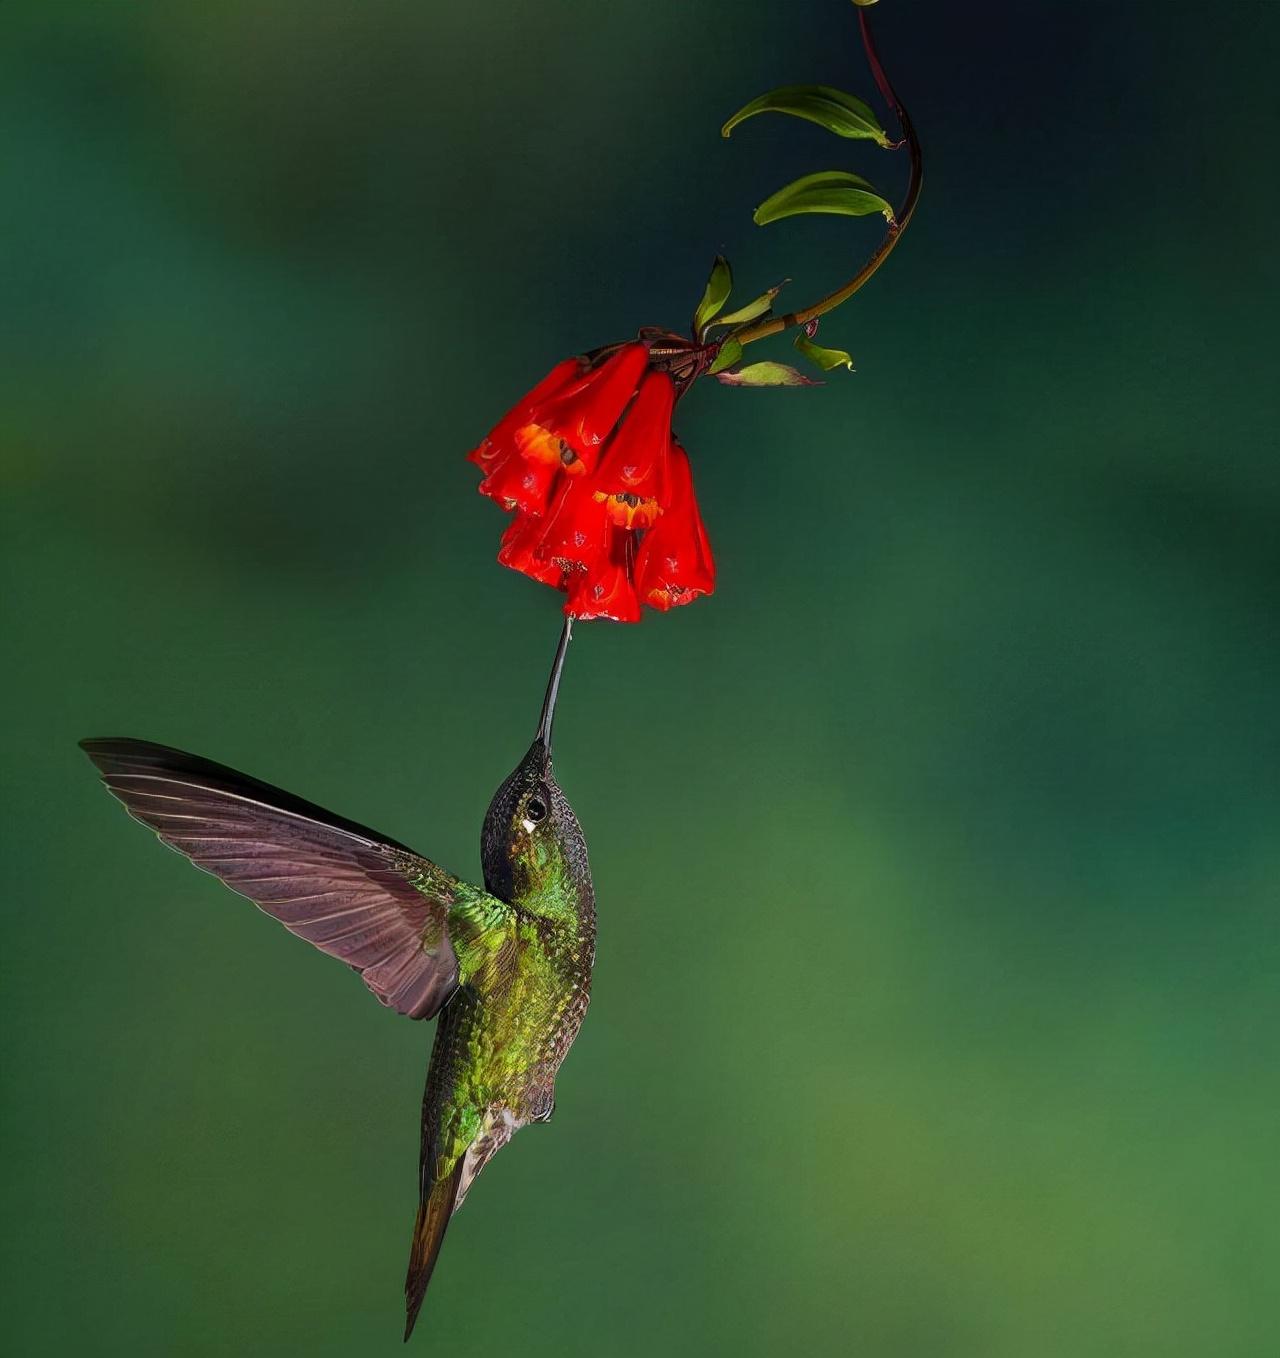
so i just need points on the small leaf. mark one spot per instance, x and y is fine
(714, 295)
(752, 309)
(730, 352)
(826, 359)
(841, 113)
(864, 3)
(767, 374)
(827, 191)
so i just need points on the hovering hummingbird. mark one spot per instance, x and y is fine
(508, 969)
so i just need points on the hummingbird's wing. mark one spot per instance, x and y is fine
(410, 929)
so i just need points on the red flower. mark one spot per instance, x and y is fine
(495, 448)
(674, 564)
(602, 495)
(631, 482)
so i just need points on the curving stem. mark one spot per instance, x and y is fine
(774, 325)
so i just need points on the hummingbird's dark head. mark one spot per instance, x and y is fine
(532, 842)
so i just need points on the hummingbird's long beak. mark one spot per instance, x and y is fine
(553, 688)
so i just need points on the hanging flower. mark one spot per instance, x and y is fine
(601, 495)
(674, 564)
(587, 465)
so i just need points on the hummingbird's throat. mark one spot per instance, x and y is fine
(540, 879)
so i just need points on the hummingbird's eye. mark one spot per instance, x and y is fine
(536, 809)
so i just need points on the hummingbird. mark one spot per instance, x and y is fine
(506, 968)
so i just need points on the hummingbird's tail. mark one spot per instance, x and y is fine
(434, 1212)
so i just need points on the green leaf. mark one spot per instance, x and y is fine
(826, 359)
(766, 375)
(752, 309)
(714, 295)
(864, 3)
(838, 112)
(827, 191)
(730, 352)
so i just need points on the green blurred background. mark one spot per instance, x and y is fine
(937, 1001)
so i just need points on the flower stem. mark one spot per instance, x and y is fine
(774, 325)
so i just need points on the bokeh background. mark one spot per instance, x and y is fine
(937, 1004)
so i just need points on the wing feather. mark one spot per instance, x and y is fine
(372, 903)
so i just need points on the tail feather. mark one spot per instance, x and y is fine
(434, 1212)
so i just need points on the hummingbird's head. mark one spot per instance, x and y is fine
(532, 843)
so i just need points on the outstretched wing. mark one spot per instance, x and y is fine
(410, 929)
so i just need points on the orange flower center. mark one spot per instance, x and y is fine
(536, 444)
(627, 510)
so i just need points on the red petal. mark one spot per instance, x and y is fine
(635, 460)
(522, 485)
(679, 481)
(519, 547)
(497, 444)
(584, 415)
(674, 564)
(605, 592)
(577, 532)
